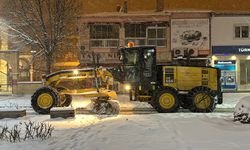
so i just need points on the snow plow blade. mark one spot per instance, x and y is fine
(105, 106)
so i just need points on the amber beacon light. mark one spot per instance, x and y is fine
(131, 44)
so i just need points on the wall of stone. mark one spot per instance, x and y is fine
(26, 87)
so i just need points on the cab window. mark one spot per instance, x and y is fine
(131, 57)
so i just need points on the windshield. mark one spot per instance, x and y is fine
(130, 57)
(138, 63)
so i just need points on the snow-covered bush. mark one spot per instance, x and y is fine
(30, 130)
(242, 110)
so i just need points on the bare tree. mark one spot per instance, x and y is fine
(42, 23)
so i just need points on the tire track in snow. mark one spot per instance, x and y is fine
(175, 135)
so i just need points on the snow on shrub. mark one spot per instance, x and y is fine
(242, 110)
(30, 130)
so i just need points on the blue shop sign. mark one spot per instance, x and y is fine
(225, 64)
(226, 50)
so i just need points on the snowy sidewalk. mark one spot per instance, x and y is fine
(181, 131)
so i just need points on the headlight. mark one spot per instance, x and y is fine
(127, 87)
(75, 72)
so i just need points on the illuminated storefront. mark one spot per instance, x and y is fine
(3, 75)
(230, 40)
(234, 62)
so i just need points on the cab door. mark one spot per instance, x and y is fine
(148, 67)
(131, 65)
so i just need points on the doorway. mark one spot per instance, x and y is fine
(245, 72)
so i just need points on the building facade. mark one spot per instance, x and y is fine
(231, 49)
(104, 34)
(174, 34)
(9, 60)
(179, 29)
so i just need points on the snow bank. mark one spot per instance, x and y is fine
(62, 109)
(10, 109)
(242, 110)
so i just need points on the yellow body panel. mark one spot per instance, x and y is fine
(105, 76)
(76, 76)
(92, 92)
(69, 76)
(187, 78)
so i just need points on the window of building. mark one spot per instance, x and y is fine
(146, 34)
(24, 70)
(157, 36)
(241, 31)
(104, 35)
(135, 33)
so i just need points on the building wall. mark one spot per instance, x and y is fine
(98, 6)
(109, 54)
(213, 5)
(4, 60)
(228, 48)
(164, 54)
(190, 35)
(26, 87)
(222, 30)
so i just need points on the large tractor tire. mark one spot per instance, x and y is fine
(202, 100)
(166, 101)
(44, 99)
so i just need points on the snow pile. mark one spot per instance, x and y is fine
(10, 109)
(62, 109)
(242, 110)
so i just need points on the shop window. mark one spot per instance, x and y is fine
(241, 31)
(245, 72)
(104, 35)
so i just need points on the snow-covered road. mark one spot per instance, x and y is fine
(229, 101)
(184, 131)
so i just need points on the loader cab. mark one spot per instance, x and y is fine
(139, 65)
